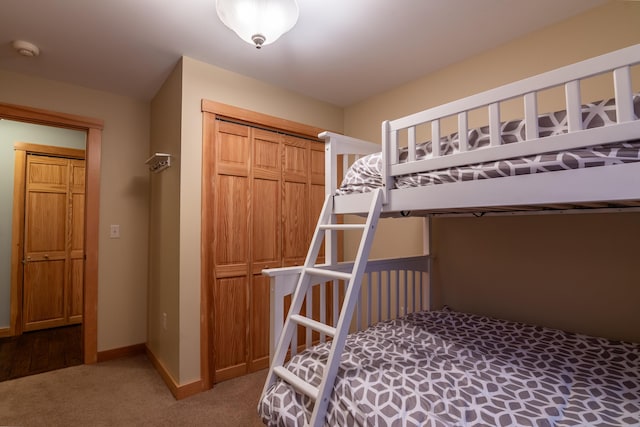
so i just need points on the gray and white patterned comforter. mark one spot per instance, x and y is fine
(365, 174)
(445, 368)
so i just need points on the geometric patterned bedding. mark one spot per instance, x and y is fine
(365, 173)
(446, 368)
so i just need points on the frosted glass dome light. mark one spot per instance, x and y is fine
(258, 22)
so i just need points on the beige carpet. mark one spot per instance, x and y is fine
(124, 392)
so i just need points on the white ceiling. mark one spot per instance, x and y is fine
(340, 51)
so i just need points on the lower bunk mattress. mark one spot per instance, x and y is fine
(447, 368)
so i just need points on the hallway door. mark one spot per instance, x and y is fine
(53, 241)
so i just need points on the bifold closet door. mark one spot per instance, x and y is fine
(266, 191)
(231, 245)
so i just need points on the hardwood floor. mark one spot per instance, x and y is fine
(40, 351)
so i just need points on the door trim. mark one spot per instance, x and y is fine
(93, 127)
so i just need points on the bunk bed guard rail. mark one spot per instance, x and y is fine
(618, 62)
(391, 288)
(403, 132)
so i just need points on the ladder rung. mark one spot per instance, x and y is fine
(329, 273)
(341, 226)
(314, 324)
(297, 383)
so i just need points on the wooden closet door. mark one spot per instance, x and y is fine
(258, 198)
(53, 242)
(231, 195)
(265, 239)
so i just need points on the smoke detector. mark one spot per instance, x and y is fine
(25, 48)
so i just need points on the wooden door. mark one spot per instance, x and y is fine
(265, 238)
(231, 245)
(53, 242)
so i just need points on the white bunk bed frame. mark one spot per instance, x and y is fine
(577, 186)
(392, 288)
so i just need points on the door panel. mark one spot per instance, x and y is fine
(266, 218)
(232, 149)
(44, 297)
(295, 228)
(259, 335)
(230, 327)
(75, 296)
(232, 222)
(296, 160)
(317, 163)
(45, 223)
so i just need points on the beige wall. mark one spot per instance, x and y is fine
(601, 30)
(124, 194)
(607, 28)
(164, 226)
(574, 272)
(202, 81)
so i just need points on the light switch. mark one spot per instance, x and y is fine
(114, 231)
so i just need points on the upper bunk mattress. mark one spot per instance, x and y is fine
(446, 368)
(366, 173)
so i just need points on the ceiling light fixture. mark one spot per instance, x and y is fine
(25, 48)
(258, 22)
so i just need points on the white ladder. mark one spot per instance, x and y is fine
(320, 395)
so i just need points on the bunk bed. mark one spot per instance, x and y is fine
(394, 359)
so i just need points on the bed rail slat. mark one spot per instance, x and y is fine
(463, 131)
(396, 275)
(323, 309)
(435, 138)
(574, 110)
(531, 115)
(335, 308)
(623, 94)
(368, 286)
(411, 136)
(309, 308)
(394, 147)
(494, 124)
(416, 295)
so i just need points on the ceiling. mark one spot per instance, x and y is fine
(340, 51)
